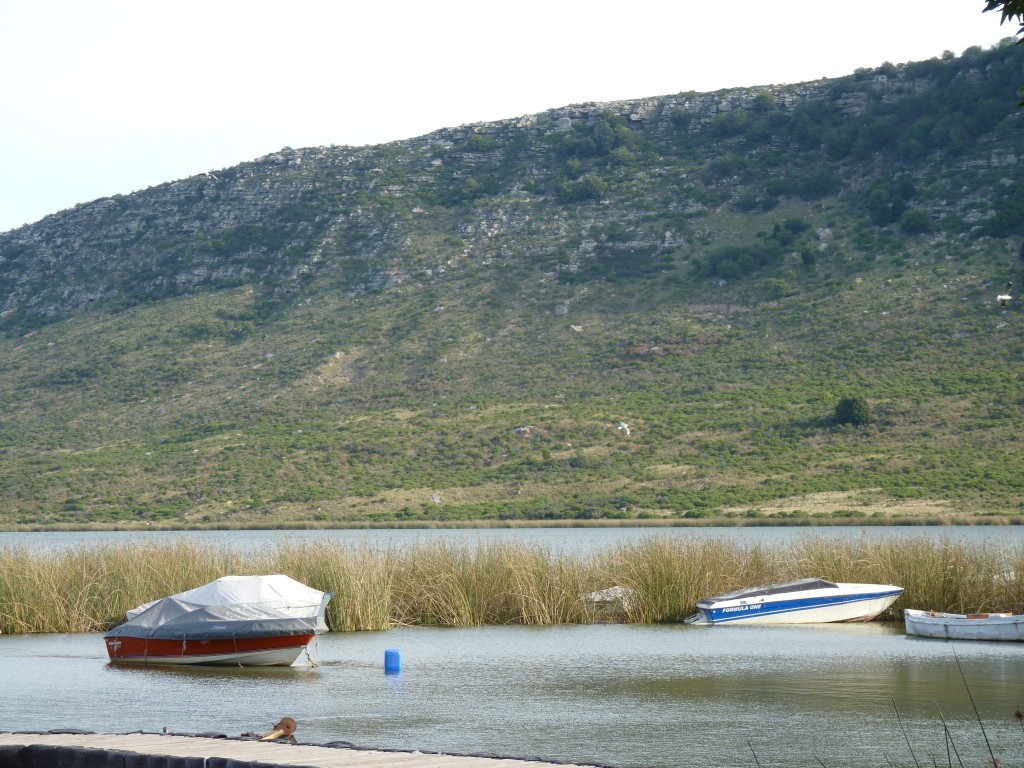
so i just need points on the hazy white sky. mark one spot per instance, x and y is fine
(102, 97)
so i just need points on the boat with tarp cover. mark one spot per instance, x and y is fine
(235, 620)
(804, 601)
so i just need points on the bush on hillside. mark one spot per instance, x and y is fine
(853, 410)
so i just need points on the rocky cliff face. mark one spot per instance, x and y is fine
(565, 189)
(453, 326)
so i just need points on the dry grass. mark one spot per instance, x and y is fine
(441, 584)
(87, 590)
(872, 502)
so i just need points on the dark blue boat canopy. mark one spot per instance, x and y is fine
(800, 585)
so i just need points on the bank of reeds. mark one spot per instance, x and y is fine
(456, 584)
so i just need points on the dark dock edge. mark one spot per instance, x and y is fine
(39, 754)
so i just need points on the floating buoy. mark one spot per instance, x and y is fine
(392, 661)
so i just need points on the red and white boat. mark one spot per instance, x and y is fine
(235, 620)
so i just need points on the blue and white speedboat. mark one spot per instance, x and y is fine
(805, 601)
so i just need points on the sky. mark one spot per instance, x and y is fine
(105, 97)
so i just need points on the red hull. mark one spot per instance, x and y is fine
(258, 651)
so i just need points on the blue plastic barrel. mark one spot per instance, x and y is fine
(392, 661)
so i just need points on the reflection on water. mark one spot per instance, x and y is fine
(620, 694)
(157, 672)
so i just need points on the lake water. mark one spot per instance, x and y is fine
(557, 539)
(624, 695)
(621, 695)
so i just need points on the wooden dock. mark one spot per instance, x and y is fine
(151, 750)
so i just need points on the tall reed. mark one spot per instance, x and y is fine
(89, 589)
(360, 578)
(438, 583)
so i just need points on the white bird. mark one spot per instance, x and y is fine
(211, 176)
(623, 427)
(1005, 297)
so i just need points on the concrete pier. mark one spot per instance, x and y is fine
(151, 750)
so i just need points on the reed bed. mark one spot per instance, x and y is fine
(89, 589)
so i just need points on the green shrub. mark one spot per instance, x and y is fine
(915, 222)
(853, 410)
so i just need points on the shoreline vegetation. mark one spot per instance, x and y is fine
(440, 524)
(89, 588)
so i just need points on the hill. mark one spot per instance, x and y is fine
(452, 327)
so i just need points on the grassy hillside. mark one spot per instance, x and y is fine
(451, 327)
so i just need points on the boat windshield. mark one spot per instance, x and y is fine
(799, 585)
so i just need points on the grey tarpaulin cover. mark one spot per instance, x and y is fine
(231, 606)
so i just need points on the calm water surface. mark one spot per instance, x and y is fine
(624, 695)
(557, 539)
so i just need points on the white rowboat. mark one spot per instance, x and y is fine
(964, 626)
